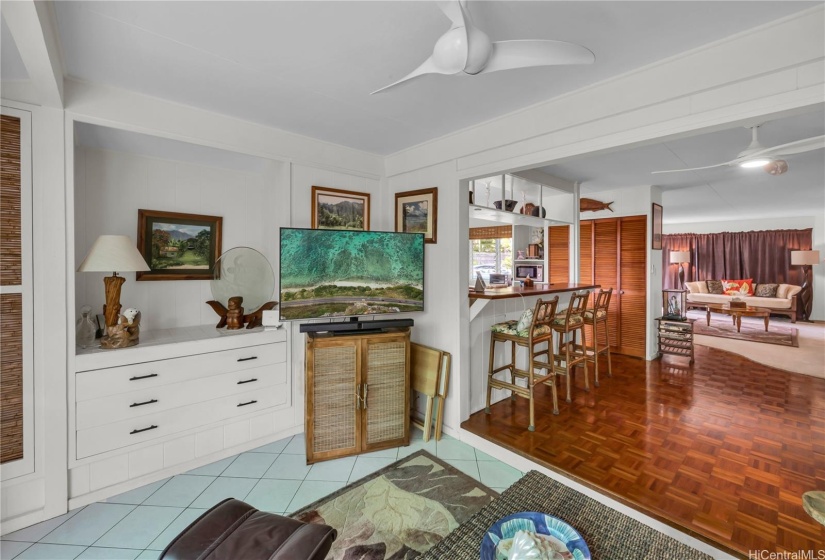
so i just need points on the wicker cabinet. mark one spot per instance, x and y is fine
(676, 337)
(357, 393)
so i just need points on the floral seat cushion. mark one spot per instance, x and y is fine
(511, 328)
(561, 319)
(600, 313)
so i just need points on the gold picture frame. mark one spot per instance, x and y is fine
(339, 209)
(417, 212)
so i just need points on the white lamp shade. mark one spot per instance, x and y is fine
(113, 253)
(679, 256)
(804, 257)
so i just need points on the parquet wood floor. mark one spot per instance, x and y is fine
(722, 449)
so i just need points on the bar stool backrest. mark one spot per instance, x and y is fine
(578, 305)
(543, 314)
(603, 299)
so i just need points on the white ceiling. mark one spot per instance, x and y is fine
(11, 64)
(308, 67)
(722, 193)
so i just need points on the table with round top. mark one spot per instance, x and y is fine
(737, 313)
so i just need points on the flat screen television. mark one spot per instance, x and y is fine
(333, 274)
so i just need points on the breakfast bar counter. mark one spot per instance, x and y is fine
(539, 289)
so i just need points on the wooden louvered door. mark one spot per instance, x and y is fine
(586, 252)
(559, 257)
(17, 374)
(614, 255)
(606, 272)
(633, 285)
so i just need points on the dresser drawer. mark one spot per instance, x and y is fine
(151, 400)
(121, 434)
(104, 382)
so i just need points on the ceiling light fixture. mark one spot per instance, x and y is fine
(755, 163)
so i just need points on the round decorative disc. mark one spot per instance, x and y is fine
(244, 272)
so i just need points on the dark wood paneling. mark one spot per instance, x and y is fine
(10, 246)
(559, 257)
(11, 377)
(723, 448)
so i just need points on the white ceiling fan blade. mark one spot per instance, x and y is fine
(455, 11)
(429, 66)
(797, 147)
(694, 168)
(523, 54)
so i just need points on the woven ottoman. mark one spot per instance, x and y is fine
(234, 530)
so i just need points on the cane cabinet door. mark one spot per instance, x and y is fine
(385, 400)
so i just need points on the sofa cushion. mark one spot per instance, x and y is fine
(787, 290)
(765, 290)
(700, 287)
(715, 287)
(738, 287)
(772, 303)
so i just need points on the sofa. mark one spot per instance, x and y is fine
(783, 303)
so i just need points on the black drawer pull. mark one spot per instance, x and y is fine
(247, 381)
(247, 359)
(133, 432)
(143, 377)
(133, 405)
(246, 403)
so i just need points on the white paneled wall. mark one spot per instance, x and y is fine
(111, 186)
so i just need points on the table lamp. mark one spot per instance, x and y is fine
(805, 259)
(680, 257)
(113, 253)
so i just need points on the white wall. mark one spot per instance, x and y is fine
(111, 186)
(816, 221)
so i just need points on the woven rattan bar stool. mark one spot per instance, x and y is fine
(595, 317)
(567, 324)
(531, 332)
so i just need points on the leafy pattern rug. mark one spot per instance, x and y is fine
(400, 511)
(752, 330)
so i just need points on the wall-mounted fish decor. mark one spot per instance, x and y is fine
(593, 205)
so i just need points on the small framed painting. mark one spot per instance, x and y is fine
(657, 226)
(337, 209)
(178, 246)
(417, 212)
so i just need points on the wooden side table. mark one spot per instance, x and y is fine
(676, 337)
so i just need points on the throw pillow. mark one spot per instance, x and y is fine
(766, 290)
(525, 321)
(715, 287)
(738, 287)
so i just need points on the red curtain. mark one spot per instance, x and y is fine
(764, 256)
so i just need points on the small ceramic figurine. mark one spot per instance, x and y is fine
(125, 333)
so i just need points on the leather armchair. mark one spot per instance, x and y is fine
(234, 530)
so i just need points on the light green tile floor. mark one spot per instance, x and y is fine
(140, 523)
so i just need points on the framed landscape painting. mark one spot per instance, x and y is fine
(417, 212)
(337, 209)
(657, 226)
(178, 246)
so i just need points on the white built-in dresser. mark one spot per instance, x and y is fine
(182, 398)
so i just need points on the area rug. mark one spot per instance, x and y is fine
(400, 511)
(753, 331)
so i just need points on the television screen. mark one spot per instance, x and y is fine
(341, 273)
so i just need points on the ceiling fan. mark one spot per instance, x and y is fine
(769, 159)
(466, 48)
